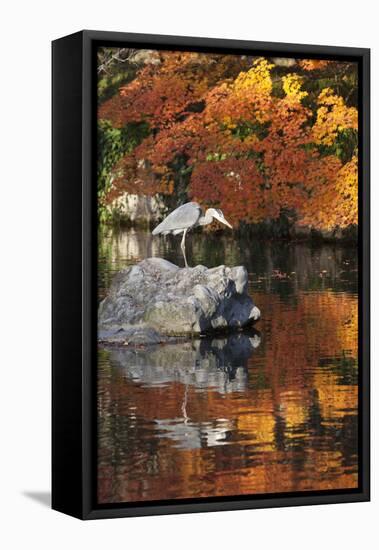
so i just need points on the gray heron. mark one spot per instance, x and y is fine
(184, 218)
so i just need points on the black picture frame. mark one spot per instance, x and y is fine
(74, 275)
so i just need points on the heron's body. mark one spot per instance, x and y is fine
(184, 218)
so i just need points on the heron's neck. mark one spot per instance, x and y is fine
(206, 219)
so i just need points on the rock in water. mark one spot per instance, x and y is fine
(156, 299)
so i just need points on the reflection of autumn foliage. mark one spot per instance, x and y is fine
(242, 137)
(303, 346)
(295, 422)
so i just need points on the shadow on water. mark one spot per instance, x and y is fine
(258, 412)
(219, 363)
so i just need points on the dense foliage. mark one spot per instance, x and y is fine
(112, 145)
(259, 138)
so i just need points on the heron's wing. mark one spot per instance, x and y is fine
(184, 217)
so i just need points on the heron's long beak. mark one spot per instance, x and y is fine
(223, 220)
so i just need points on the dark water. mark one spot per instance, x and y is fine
(271, 410)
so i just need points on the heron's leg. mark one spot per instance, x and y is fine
(184, 405)
(183, 247)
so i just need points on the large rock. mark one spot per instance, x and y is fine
(156, 300)
(137, 209)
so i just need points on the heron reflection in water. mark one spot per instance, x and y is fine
(186, 217)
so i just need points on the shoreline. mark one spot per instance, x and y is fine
(266, 231)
